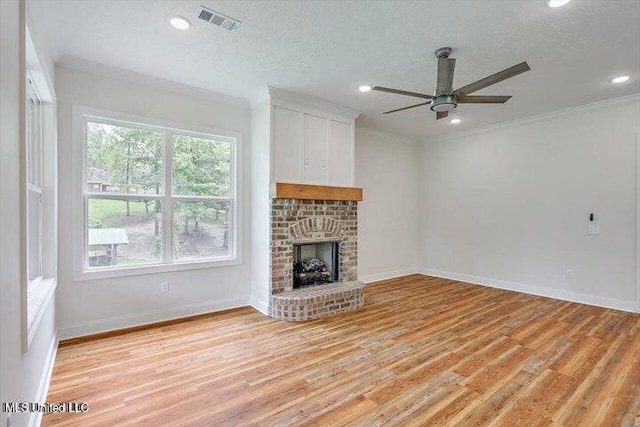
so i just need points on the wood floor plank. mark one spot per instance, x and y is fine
(484, 411)
(527, 408)
(613, 392)
(423, 351)
(588, 382)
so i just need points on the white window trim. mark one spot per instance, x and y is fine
(35, 187)
(80, 114)
(38, 294)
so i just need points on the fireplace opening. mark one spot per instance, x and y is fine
(315, 263)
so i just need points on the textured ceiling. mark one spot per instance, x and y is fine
(328, 48)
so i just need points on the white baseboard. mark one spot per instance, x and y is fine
(139, 319)
(35, 419)
(260, 305)
(368, 278)
(571, 296)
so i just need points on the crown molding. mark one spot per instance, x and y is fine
(259, 98)
(310, 101)
(386, 135)
(566, 112)
(121, 74)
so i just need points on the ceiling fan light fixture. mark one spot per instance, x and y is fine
(455, 121)
(620, 79)
(443, 103)
(558, 3)
(364, 88)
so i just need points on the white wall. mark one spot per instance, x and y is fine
(260, 160)
(509, 206)
(23, 374)
(387, 170)
(91, 306)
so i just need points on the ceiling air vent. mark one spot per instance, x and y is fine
(217, 18)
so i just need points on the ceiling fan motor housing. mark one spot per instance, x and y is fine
(443, 52)
(443, 103)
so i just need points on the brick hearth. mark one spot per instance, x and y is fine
(312, 302)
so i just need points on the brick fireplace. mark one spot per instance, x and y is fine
(306, 221)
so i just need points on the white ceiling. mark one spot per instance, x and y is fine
(328, 48)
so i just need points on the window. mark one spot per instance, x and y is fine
(38, 190)
(156, 195)
(34, 184)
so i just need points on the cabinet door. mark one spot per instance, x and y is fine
(341, 154)
(287, 145)
(316, 140)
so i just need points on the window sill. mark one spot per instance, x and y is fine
(38, 299)
(107, 273)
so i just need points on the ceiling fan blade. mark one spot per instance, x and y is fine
(406, 108)
(446, 67)
(441, 114)
(401, 92)
(481, 99)
(492, 79)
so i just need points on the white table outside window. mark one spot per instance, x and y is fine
(110, 238)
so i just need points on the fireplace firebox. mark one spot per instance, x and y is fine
(315, 263)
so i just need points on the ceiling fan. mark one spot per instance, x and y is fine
(445, 98)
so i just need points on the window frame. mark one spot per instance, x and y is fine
(37, 294)
(34, 172)
(82, 271)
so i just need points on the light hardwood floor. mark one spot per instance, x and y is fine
(423, 351)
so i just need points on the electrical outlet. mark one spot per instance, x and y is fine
(164, 287)
(593, 230)
(570, 274)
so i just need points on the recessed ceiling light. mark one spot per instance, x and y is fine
(180, 23)
(557, 3)
(620, 79)
(455, 121)
(364, 88)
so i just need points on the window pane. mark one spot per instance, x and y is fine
(34, 234)
(123, 159)
(201, 166)
(201, 229)
(124, 232)
(34, 137)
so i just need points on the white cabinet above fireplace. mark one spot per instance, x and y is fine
(312, 141)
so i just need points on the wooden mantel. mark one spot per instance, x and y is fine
(281, 190)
